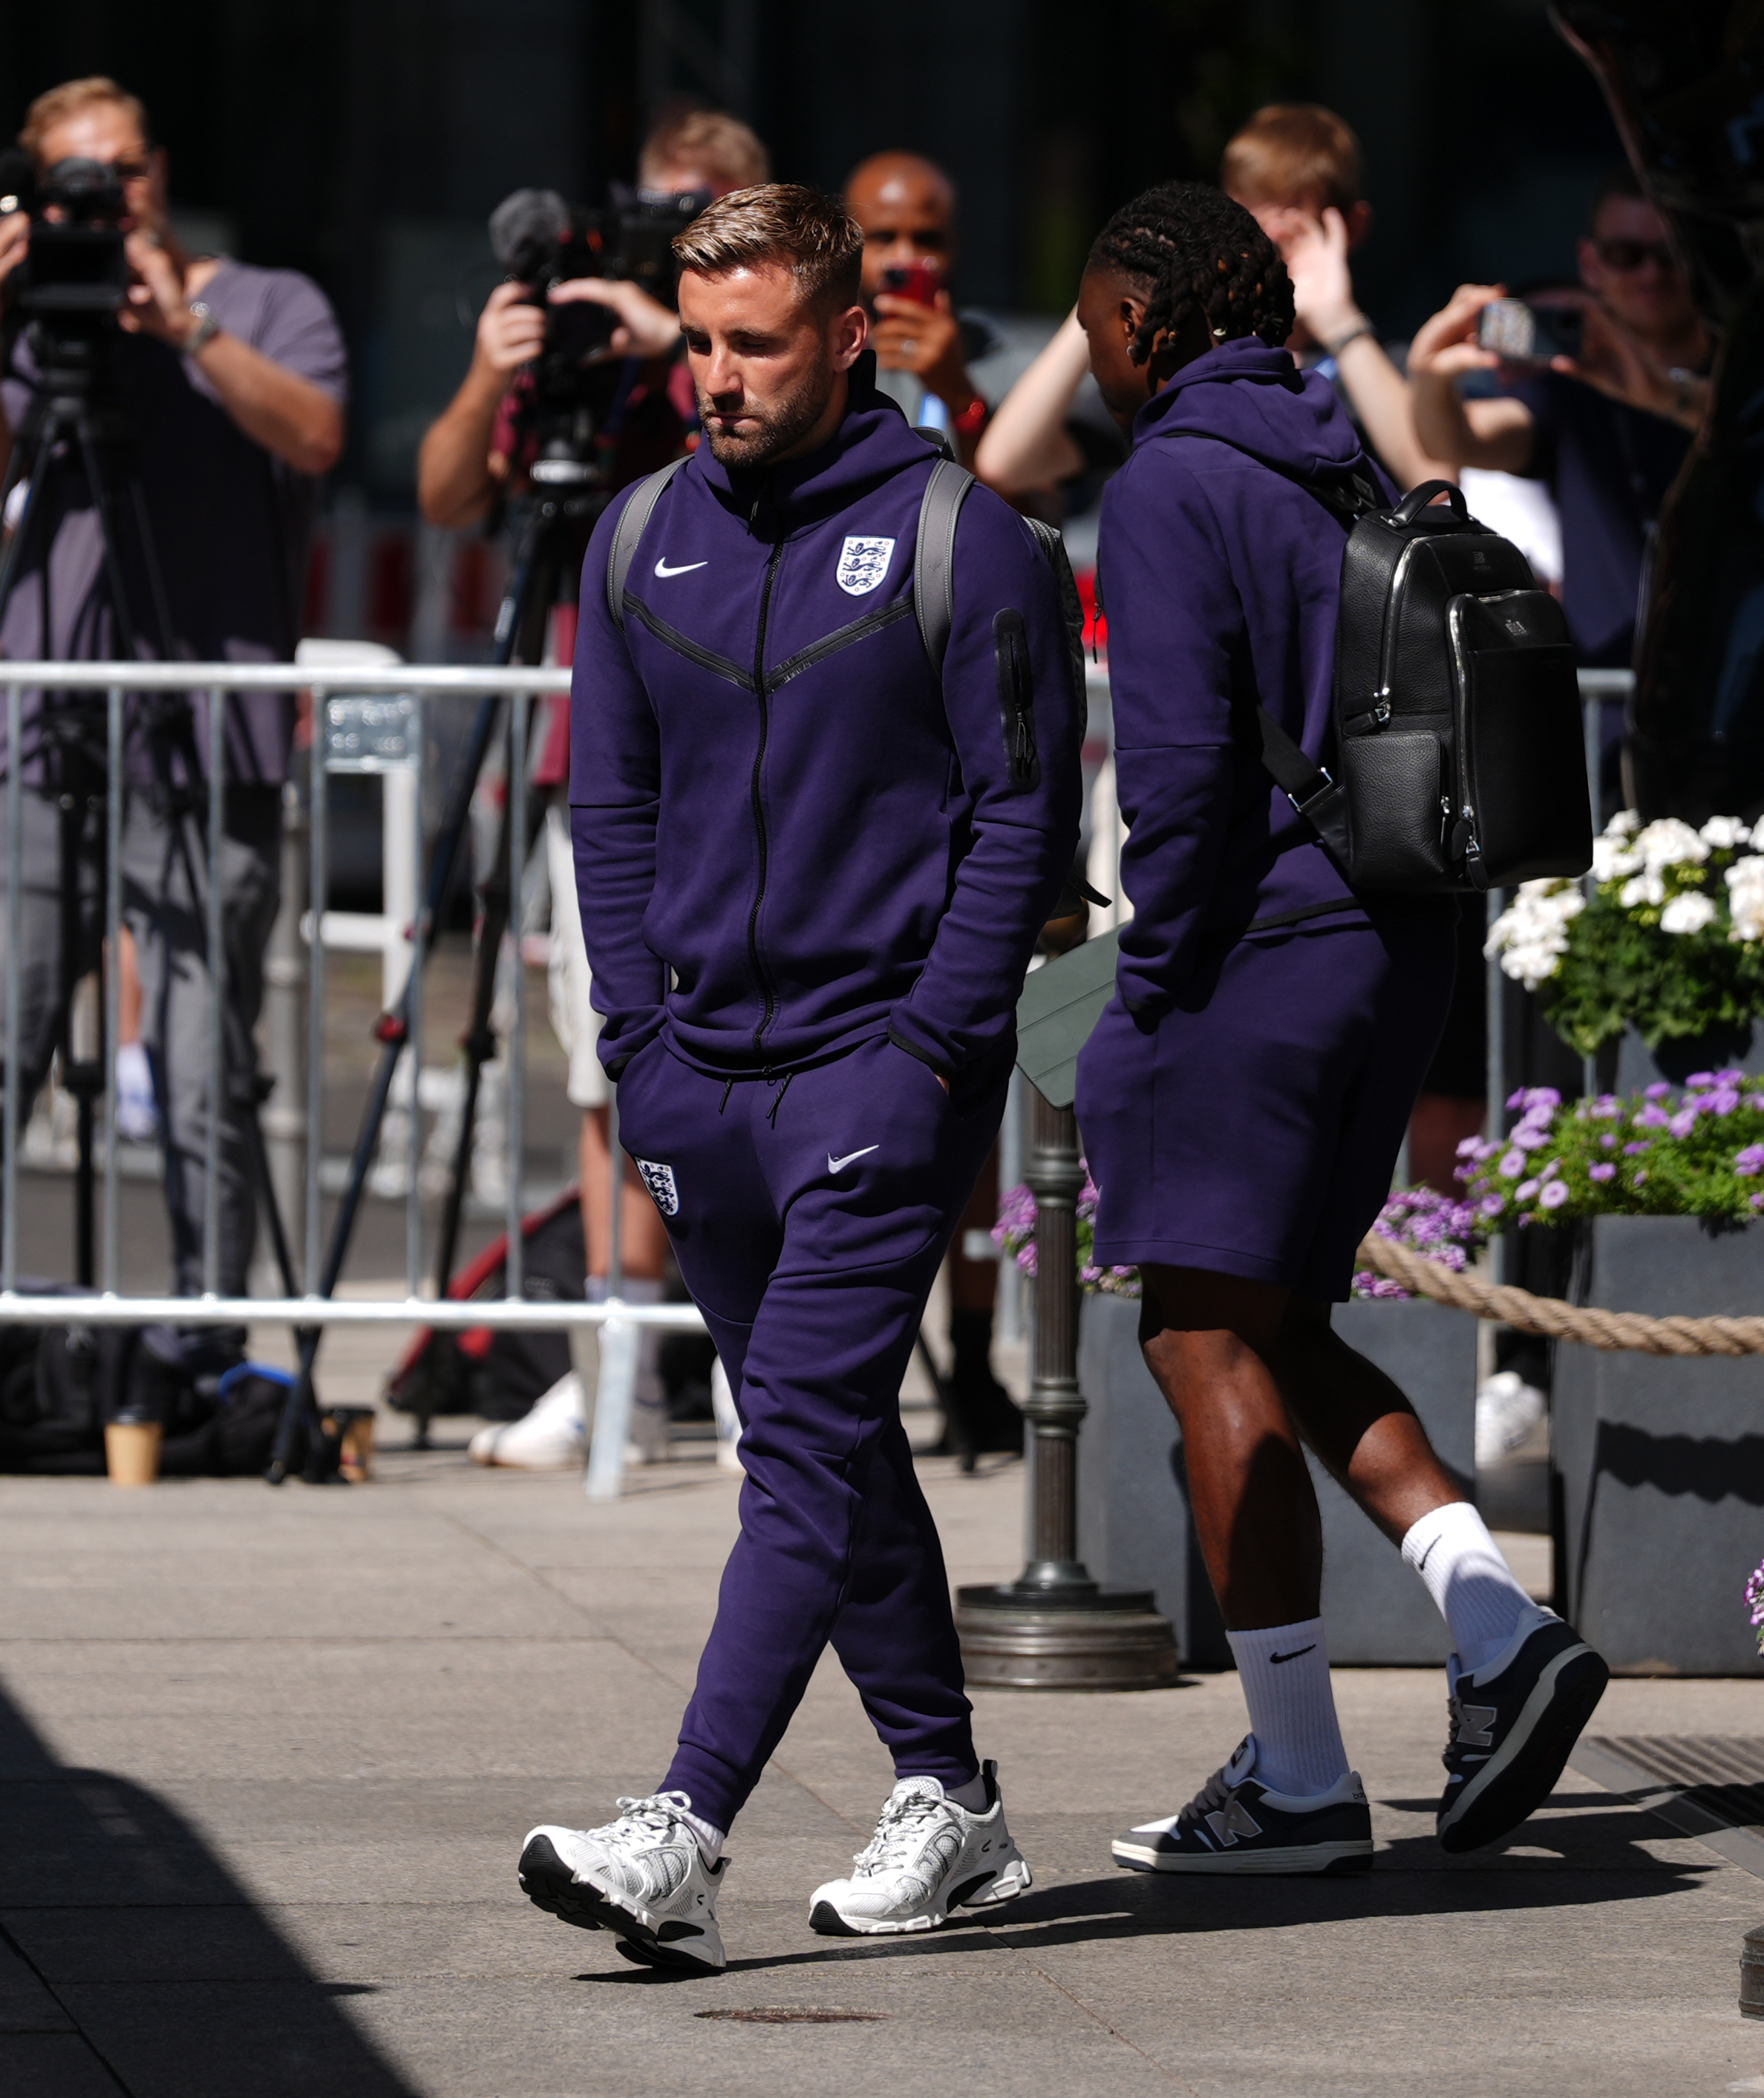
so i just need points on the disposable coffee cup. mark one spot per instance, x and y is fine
(355, 1458)
(132, 1451)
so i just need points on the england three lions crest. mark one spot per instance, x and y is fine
(659, 1180)
(863, 564)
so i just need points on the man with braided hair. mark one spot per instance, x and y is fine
(1244, 1097)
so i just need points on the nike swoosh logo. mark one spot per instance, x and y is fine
(685, 569)
(1294, 1654)
(839, 1164)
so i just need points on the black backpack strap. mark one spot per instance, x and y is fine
(632, 520)
(934, 564)
(1318, 798)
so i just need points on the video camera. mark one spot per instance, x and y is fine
(75, 277)
(540, 241)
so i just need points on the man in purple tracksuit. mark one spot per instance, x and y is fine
(811, 875)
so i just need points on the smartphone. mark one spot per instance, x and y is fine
(1522, 333)
(921, 282)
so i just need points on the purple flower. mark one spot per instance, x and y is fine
(1607, 1108)
(1683, 1122)
(1653, 1115)
(1700, 1078)
(1525, 1191)
(1491, 1206)
(1471, 1148)
(1656, 1091)
(1640, 1178)
(1517, 1100)
(1724, 1102)
(1757, 1201)
(1750, 1160)
(1601, 1172)
(1608, 1141)
(1513, 1164)
(1633, 1150)
(1529, 1138)
(1729, 1078)
(1555, 1194)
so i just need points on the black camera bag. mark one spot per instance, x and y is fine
(1459, 759)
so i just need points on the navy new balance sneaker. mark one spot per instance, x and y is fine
(1236, 1825)
(1513, 1721)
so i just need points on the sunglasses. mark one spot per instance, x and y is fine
(1626, 257)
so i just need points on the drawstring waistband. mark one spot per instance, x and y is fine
(784, 1087)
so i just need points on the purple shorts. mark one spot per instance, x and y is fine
(1253, 1129)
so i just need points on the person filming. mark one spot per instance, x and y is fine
(229, 381)
(811, 872)
(1244, 1096)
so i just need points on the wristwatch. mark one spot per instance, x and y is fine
(1361, 326)
(204, 332)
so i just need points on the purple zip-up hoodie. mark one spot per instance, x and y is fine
(788, 838)
(1220, 580)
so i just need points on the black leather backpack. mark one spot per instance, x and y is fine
(1459, 763)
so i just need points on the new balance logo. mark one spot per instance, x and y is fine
(1476, 1725)
(685, 569)
(1231, 1822)
(839, 1164)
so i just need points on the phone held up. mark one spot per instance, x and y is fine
(920, 282)
(1522, 333)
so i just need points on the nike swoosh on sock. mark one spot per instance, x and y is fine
(1295, 1654)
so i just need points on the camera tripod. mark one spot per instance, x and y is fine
(76, 423)
(547, 559)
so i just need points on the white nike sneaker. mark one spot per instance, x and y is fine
(551, 1436)
(928, 1855)
(643, 1877)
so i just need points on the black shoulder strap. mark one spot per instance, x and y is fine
(1348, 496)
(632, 519)
(934, 563)
(1317, 798)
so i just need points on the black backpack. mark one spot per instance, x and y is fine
(933, 597)
(1460, 762)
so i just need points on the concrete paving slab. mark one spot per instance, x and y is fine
(266, 1762)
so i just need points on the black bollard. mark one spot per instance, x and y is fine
(1054, 1628)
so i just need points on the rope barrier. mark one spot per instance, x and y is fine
(1555, 1320)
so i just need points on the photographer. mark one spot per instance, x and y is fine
(1607, 430)
(906, 208)
(465, 464)
(638, 394)
(229, 381)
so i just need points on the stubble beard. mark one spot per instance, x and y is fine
(782, 424)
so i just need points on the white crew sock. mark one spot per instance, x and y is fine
(1471, 1586)
(1285, 1674)
(710, 1840)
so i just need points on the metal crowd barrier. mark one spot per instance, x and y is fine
(386, 736)
(383, 732)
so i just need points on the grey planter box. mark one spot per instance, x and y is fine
(1134, 1526)
(1660, 1459)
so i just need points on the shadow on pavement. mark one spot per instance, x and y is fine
(131, 1960)
(1597, 1859)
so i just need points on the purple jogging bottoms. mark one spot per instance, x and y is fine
(809, 1214)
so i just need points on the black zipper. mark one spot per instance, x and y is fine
(759, 693)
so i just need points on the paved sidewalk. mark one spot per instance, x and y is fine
(267, 1760)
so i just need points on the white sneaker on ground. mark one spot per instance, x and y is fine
(928, 1855)
(643, 1877)
(552, 1436)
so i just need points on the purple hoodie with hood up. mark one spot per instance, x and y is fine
(789, 837)
(1220, 580)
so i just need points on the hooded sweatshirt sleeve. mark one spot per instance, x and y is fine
(1176, 642)
(1008, 698)
(615, 788)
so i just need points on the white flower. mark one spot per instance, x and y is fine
(1688, 914)
(1531, 935)
(1612, 859)
(1724, 833)
(1745, 891)
(1644, 888)
(1669, 843)
(1623, 825)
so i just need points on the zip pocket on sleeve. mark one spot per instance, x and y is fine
(1017, 700)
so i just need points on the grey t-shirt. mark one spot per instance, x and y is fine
(231, 523)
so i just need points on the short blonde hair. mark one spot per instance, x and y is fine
(57, 104)
(722, 145)
(813, 236)
(1292, 152)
